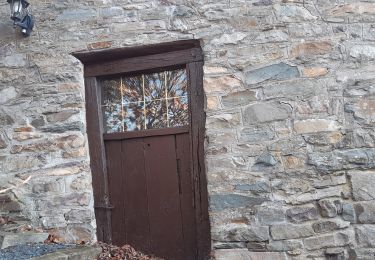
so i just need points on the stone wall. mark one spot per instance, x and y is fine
(290, 91)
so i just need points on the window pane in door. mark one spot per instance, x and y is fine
(154, 86)
(132, 89)
(112, 118)
(134, 116)
(177, 83)
(178, 112)
(156, 114)
(111, 92)
(146, 101)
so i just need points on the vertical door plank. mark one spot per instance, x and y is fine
(136, 195)
(198, 118)
(97, 159)
(186, 195)
(164, 202)
(113, 153)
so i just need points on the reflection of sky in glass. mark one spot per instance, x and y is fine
(133, 116)
(155, 100)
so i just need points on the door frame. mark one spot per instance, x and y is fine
(110, 62)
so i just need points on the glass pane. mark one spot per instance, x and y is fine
(112, 118)
(134, 117)
(132, 89)
(154, 86)
(177, 83)
(111, 91)
(156, 114)
(178, 112)
(147, 101)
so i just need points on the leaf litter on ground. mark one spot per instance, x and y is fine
(126, 252)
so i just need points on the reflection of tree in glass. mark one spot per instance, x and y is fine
(155, 100)
(176, 83)
(156, 114)
(132, 89)
(134, 117)
(111, 91)
(178, 112)
(154, 86)
(112, 118)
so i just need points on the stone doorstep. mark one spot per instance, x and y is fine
(77, 253)
(8, 239)
(244, 254)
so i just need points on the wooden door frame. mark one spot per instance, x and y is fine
(110, 62)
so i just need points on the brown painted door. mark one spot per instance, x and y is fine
(148, 154)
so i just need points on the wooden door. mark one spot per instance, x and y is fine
(147, 144)
(151, 195)
(145, 124)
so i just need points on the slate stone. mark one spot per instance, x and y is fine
(240, 233)
(10, 206)
(270, 215)
(7, 94)
(343, 159)
(245, 254)
(301, 214)
(363, 185)
(15, 60)
(362, 253)
(266, 160)
(265, 112)
(228, 201)
(256, 246)
(292, 13)
(329, 208)
(284, 245)
(329, 225)
(3, 143)
(341, 238)
(319, 242)
(256, 134)
(5, 119)
(293, 89)
(238, 98)
(38, 122)
(365, 212)
(290, 231)
(61, 128)
(111, 11)
(280, 71)
(61, 115)
(363, 52)
(76, 15)
(228, 245)
(258, 187)
(77, 215)
(366, 235)
(263, 3)
(348, 212)
(335, 253)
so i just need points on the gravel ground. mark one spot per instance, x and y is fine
(22, 252)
